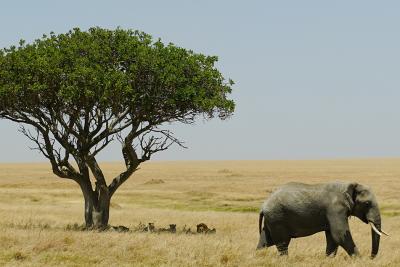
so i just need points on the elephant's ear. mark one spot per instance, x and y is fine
(351, 194)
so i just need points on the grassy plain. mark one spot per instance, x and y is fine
(36, 207)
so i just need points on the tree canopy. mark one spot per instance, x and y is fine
(81, 90)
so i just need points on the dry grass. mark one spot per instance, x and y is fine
(36, 207)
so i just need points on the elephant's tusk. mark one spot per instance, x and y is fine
(374, 228)
(383, 232)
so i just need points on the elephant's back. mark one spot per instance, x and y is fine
(294, 197)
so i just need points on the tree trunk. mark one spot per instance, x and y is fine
(97, 205)
(101, 207)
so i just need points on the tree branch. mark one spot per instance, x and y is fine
(96, 170)
(131, 161)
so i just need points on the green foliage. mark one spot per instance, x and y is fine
(112, 70)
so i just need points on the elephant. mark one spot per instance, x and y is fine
(297, 210)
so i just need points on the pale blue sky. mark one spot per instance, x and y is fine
(314, 79)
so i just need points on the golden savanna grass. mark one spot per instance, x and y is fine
(36, 208)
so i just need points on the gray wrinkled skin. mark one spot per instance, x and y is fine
(297, 210)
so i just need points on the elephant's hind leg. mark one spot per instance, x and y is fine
(262, 243)
(265, 239)
(280, 237)
(283, 247)
(331, 245)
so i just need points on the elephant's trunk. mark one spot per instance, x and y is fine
(374, 219)
(375, 241)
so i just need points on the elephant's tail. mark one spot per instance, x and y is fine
(260, 220)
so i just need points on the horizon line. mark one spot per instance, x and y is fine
(220, 160)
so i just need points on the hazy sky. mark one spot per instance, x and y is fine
(314, 79)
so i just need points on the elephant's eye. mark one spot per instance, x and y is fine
(367, 203)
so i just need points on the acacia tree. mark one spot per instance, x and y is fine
(75, 93)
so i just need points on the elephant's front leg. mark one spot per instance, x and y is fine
(340, 231)
(331, 245)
